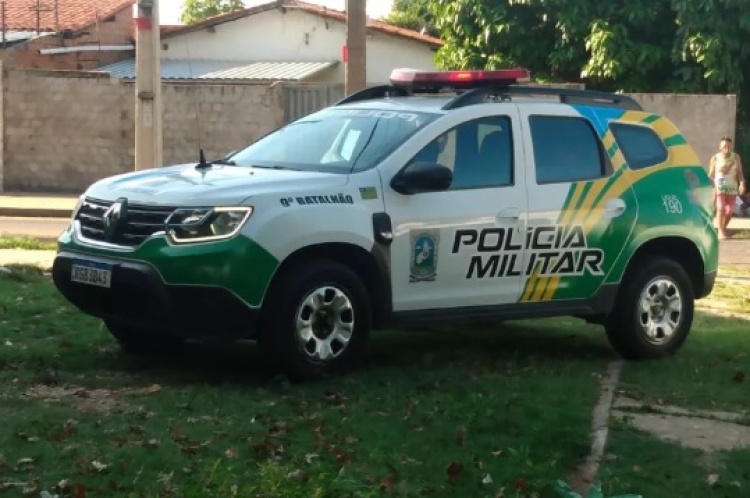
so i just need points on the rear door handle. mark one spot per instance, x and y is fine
(614, 208)
(509, 214)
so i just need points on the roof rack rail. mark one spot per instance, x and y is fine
(374, 92)
(566, 95)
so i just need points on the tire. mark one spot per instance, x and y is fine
(139, 341)
(664, 281)
(291, 300)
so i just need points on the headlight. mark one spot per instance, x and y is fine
(186, 226)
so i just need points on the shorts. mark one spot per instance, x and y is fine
(725, 203)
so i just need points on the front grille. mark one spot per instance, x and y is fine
(137, 223)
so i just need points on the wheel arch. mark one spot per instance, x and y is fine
(678, 248)
(373, 267)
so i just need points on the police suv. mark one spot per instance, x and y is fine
(442, 195)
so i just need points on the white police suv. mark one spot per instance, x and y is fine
(443, 195)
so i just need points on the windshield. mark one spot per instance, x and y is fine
(334, 140)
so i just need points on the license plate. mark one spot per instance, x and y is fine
(91, 273)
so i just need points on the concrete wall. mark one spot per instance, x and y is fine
(60, 131)
(703, 119)
(114, 30)
(63, 131)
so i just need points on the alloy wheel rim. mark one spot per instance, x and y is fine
(660, 310)
(324, 323)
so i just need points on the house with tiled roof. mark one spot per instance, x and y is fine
(282, 40)
(65, 34)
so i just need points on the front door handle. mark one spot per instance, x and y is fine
(614, 208)
(509, 214)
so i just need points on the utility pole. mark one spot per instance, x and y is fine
(148, 108)
(356, 46)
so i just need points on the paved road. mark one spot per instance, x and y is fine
(44, 228)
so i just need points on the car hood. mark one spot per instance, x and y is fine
(217, 185)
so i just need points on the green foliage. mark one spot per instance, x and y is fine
(194, 11)
(634, 45)
(412, 14)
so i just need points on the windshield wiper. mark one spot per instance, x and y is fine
(275, 166)
(228, 162)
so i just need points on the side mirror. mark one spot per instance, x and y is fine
(422, 177)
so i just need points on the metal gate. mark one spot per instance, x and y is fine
(306, 98)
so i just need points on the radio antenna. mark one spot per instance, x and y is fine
(202, 164)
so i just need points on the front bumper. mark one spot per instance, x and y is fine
(138, 296)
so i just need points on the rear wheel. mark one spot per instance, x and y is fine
(141, 341)
(316, 320)
(654, 310)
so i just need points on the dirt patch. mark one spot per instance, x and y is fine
(90, 400)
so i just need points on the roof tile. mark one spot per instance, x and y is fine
(21, 15)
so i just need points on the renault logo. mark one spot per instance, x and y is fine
(113, 217)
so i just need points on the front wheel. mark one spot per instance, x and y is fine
(316, 320)
(654, 311)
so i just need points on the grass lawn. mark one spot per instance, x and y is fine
(28, 243)
(433, 413)
(450, 412)
(709, 373)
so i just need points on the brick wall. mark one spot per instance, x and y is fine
(65, 130)
(114, 30)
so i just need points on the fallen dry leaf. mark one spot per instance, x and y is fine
(409, 410)
(461, 436)
(388, 483)
(454, 471)
(498, 453)
(78, 490)
(519, 483)
(151, 443)
(297, 475)
(712, 479)
(487, 479)
(99, 466)
(230, 453)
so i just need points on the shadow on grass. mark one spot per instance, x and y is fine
(550, 346)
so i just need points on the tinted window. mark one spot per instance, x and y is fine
(334, 140)
(479, 152)
(565, 149)
(640, 145)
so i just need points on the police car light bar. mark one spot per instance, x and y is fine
(459, 79)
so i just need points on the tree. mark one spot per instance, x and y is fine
(633, 45)
(194, 11)
(412, 14)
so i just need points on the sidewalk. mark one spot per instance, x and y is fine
(37, 205)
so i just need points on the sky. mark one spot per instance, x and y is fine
(170, 10)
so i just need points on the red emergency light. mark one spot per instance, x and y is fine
(459, 79)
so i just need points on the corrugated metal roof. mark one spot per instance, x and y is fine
(223, 70)
(17, 36)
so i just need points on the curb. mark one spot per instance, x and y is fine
(12, 212)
